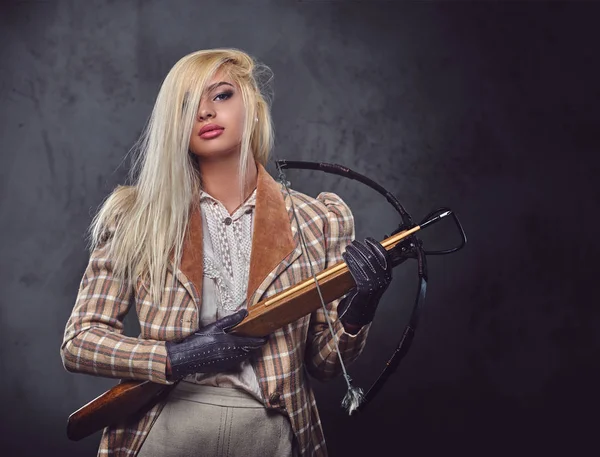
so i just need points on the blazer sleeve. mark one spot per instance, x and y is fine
(321, 360)
(94, 342)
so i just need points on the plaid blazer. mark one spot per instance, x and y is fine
(94, 342)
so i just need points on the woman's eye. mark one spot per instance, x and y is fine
(224, 95)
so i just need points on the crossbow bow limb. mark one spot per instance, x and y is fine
(409, 247)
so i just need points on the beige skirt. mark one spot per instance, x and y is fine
(212, 421)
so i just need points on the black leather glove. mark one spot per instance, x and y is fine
(371, 268)
(211, 349)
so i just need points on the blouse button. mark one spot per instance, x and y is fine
(228, 221)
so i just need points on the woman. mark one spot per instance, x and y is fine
(202, 234)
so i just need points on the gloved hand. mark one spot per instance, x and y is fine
(371, 268)
(211, 349)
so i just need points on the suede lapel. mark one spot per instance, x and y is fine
(192, 255)
(272, 238)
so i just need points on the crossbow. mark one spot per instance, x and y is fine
(133, 398)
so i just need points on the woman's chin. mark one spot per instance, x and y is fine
(210, 154)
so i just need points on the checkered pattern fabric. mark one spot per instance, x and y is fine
(94, 343)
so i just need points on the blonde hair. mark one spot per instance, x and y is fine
(147, 221)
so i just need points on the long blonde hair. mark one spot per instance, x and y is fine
(147, 221)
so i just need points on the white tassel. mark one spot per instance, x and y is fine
(353, 399)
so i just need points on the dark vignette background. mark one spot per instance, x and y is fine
(488, 107)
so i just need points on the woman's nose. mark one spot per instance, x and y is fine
(205, 113)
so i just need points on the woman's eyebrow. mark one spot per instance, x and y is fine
(214, 86)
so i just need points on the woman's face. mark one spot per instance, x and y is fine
(219, 123)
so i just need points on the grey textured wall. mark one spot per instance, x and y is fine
(490, 108)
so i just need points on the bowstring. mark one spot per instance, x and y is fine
(354, 396)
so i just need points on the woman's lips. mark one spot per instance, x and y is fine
(211, 134)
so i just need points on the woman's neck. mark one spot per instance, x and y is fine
(221, 180)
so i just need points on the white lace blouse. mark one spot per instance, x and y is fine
(227, 243)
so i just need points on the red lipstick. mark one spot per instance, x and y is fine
(210, 131)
